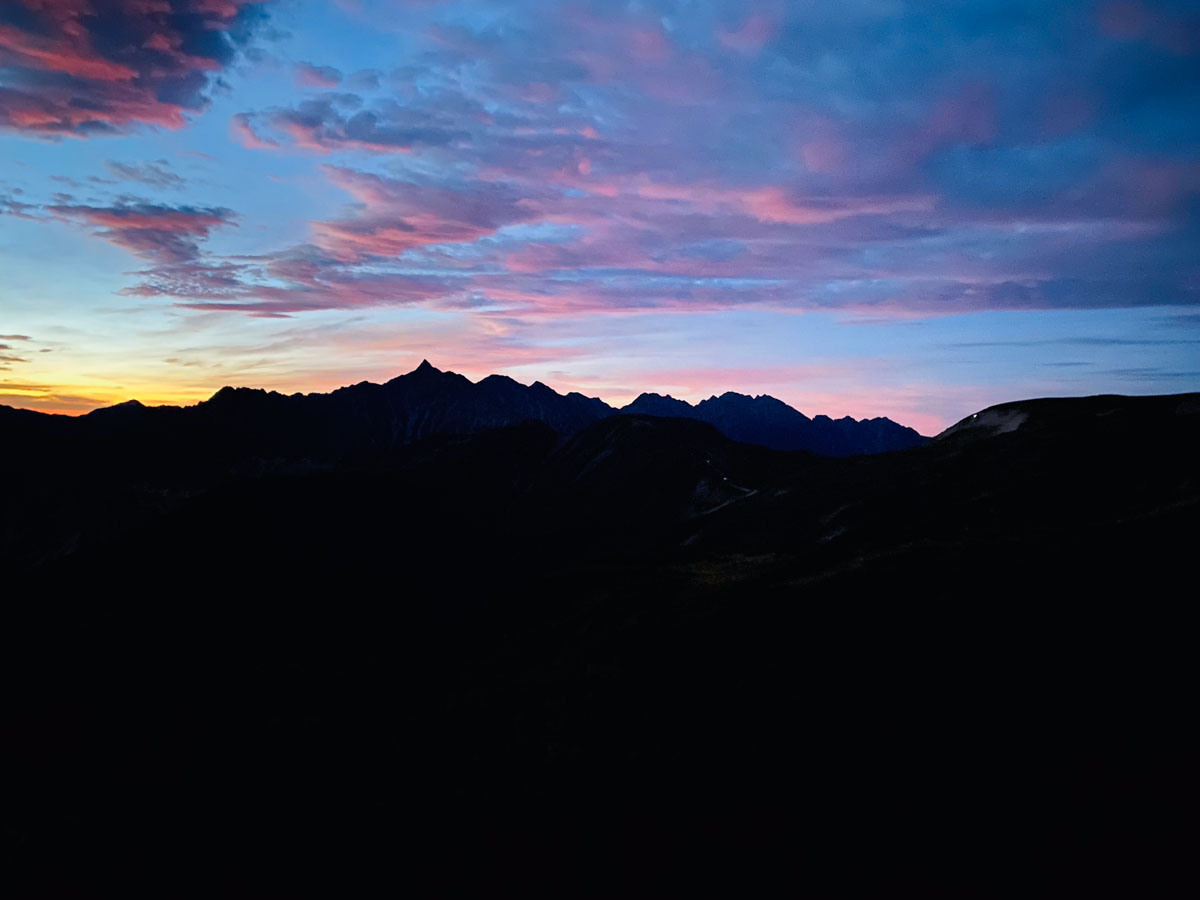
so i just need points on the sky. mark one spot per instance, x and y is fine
(870, 207)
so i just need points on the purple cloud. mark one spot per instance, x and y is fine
(169, 234)
(153, 174)
(336, 122)
(597, 157)
(308, 75)
(398, 216)
(68, 68)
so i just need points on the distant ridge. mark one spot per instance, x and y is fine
(240, 422)
(771, 423)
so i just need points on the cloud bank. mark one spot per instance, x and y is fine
(92, 67)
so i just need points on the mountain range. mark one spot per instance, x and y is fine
(255, 638)
(427, 402)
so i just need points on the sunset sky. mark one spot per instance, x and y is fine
(868, 207)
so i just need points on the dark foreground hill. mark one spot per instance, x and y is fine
(644, 660)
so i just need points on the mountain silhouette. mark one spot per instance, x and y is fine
(635, 651)
(772, 423)
(260, 427)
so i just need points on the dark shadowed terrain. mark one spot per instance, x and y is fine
(281, 649)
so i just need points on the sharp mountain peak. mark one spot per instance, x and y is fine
(428, 401)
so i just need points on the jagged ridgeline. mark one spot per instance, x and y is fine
(498, 457)
(428, 402)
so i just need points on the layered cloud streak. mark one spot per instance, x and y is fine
(541, 159)
(89, 67)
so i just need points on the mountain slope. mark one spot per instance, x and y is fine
(645, 654)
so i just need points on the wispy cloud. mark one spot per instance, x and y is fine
(168, 234)
(308, 75)
(156, 174)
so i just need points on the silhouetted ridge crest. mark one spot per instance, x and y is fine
(127, 409)
(659, 405)
(252, 423)
(769, 422)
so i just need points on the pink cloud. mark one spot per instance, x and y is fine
(637, 50)
(308, 75)
(822, 147)
(964, 115)
(400, 215)
(774, 203)
(749, 37)
(242, 130)
(144, 78)
(164, 233)
(649, 44)
(64, 52)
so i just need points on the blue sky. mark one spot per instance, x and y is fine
(873, 207)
